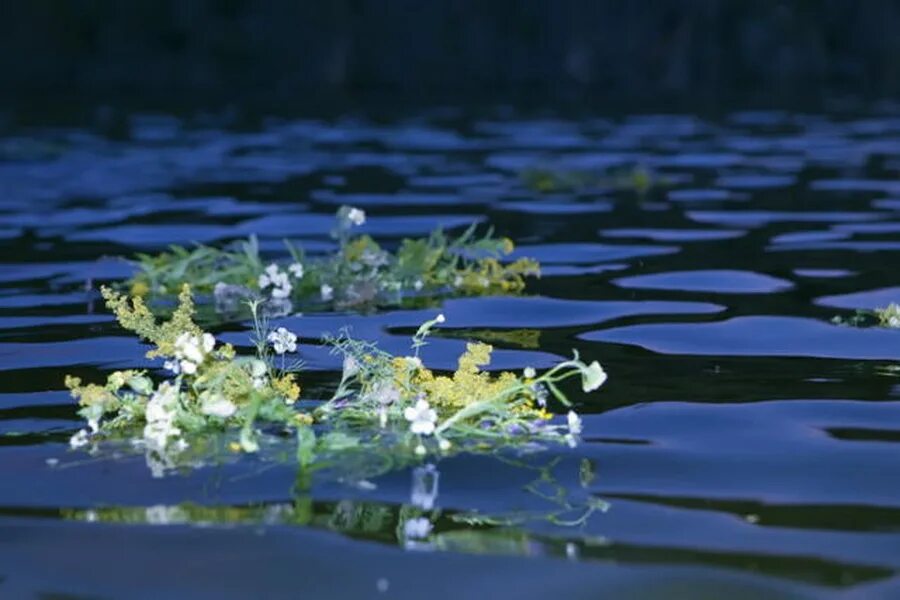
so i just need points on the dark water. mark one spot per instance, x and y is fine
(744, 445)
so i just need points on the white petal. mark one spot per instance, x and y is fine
(592, 377)
(258, 368)
(191, 351)
(209, 342)
(422, 427)
(218, 407)
(188, 368)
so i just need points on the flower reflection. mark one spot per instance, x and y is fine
(424, 489)
(417, 529)
(554, 526)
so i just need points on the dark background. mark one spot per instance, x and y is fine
(677, 51)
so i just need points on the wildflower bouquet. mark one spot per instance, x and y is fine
(359, 273)
(383, 403)
(211, 388)
(466, 408)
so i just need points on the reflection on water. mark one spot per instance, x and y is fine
(743, 441)
(420, 523)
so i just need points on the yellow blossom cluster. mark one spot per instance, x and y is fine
(467, 385)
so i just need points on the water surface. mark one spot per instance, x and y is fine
(743, 446)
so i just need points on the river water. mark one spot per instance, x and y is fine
(743, 445)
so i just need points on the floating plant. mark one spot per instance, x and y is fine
(390, 406)
(638, 179)
(888, 316)
(359, 274)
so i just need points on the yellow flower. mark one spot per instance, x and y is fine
(468, 384)
(134, 315)
(287, 387)
(139, 288)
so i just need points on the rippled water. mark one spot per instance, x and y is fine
(744, 445)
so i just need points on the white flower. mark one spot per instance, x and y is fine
(283, 341)
(444, 444)
(258, 372)
(155, 411)
(417, 529)
(218, 406)
(574, 422)
(440, 318)
(421, 417)
(385, 393)
(420, 450)
(356, 216)
(173, 366)
(418, 285)
(296, 270)
(161, 405)
(190, 351)
(529, 373)
(894, 322)
(351, 367)
(257, 368)
(160, 416)
(268, 277)
(278, 280)
(327, 292)
(592, 377)
(208, 342)
(283, 291)
(80, 439)
(187, 367)
(413, 362)
(187, 347)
